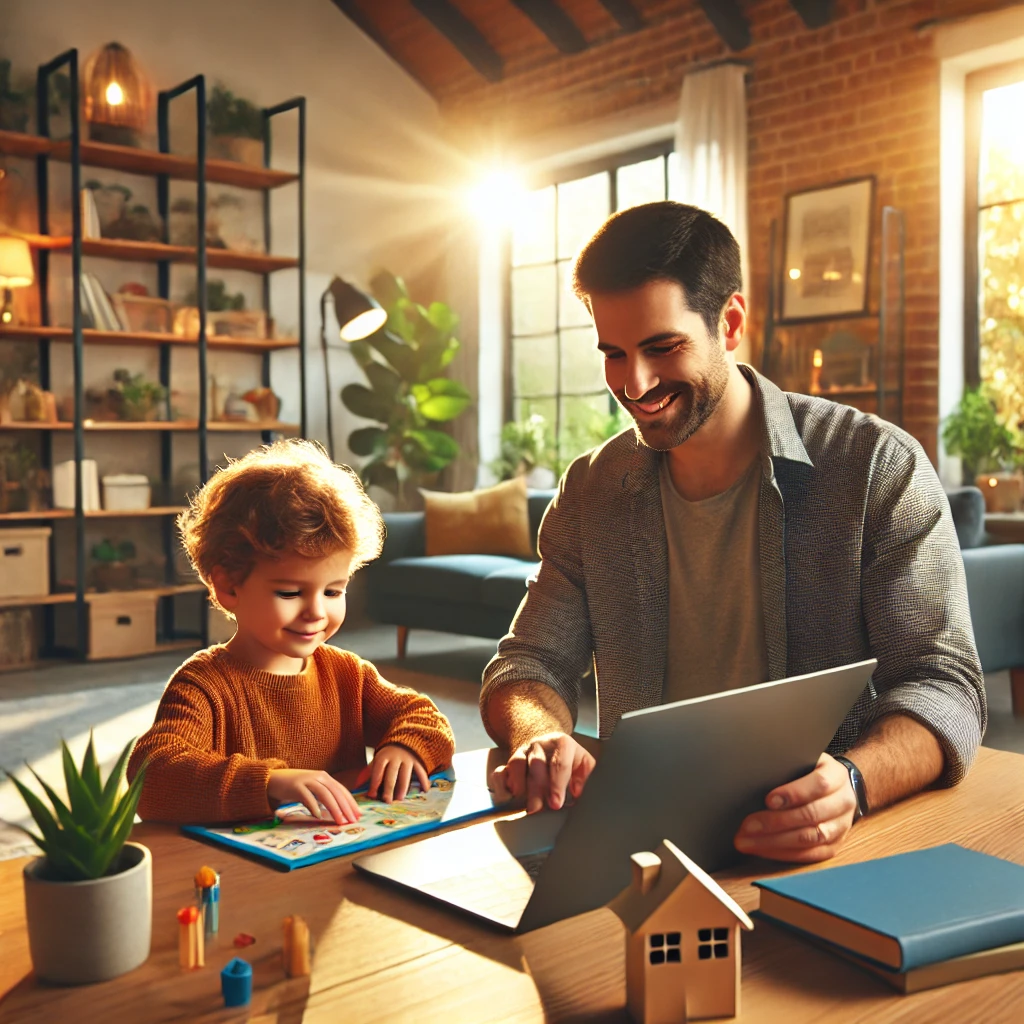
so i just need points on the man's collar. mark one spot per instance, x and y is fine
(779, 436)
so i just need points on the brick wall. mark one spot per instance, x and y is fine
(858, 97)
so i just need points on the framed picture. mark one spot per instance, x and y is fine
(237, 323)
(827, 251)
(142, 313)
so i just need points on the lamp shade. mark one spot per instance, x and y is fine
(16, 270)
(358, 314)
(117, 93)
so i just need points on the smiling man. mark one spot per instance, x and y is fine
(738, 534)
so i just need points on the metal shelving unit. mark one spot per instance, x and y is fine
(165, 166)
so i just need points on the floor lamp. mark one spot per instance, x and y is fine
(358, 316)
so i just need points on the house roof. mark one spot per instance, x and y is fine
(634, 907)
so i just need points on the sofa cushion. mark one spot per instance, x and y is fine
(440, 578)
(968, 507)
(492, 521)
(506, 587)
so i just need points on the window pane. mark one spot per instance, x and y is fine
(1002, 145)
(640, 183)
(533, 233)
(571, 312)
(582, 367)
(674, 188)
(524, 408)
(582, 209)
(533, 300)
(1001, 233)
(535, 365)
(584, 423)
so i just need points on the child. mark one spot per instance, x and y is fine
(269, 717)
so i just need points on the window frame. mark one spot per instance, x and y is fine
(608, 164)
(976, 84)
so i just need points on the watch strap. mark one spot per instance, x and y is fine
(857, 782)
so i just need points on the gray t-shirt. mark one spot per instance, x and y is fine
(716, 622)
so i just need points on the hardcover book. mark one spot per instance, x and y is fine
(908, 910)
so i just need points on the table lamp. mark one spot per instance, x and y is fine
(16, 271)
(358, 315)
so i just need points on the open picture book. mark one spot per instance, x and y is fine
(294, 839)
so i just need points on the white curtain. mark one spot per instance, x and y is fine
(711, 152)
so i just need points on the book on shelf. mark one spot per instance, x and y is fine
(90, 215)
(96, 305)
(906, 911)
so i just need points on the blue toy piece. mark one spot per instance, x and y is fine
(236, 982)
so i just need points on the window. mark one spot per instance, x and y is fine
(664, 948)
(555, 368)
(713, 943)
(994, 327)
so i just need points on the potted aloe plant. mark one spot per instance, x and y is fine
(88, 898)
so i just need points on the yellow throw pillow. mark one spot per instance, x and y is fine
(491, 521)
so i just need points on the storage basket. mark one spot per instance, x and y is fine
(121, 625)
(25, 561)
(126, 492)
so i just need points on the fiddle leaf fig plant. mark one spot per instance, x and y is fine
(406, 391)
(84, 840)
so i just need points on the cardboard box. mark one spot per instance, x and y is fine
(25, 561)
(121, 625)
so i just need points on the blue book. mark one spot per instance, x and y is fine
(908, 910)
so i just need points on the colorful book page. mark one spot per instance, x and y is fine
(294, 839)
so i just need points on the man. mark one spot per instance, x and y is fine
(740, 534)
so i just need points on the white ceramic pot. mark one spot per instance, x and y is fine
(82, 932)
(540, 478)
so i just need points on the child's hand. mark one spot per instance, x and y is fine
(301, 785)
(390, 771)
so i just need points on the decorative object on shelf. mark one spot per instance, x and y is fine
(23, 483)
(265, 402)
(14, 103)
(16, 271)
(404, 364)
(88, 899)
(18, 641)
(234, 126)
(226, 315)
(136, 399)
(25, 561)
(842, 364)
(118, 96)
(27, 402)
(142, 313)
(992, 454)
(683, 948)
(249, 324)
(526, 447)
(122, 625)
(233, 219)
(91, 227)
(827, 251)
(120, 218)
(126, 492)
(64, 485)
(112, 571)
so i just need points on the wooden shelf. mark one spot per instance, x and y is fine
(68, 597)
(26, 602)
(146, 161)
(156, 252)
(92, 337)
(273, 425)
(69, 513)
(108, 425)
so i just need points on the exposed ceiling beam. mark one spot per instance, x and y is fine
(554, 23)
(815, 13)
(623, 11)
(351, 10)
(464, 36)
(729, 21)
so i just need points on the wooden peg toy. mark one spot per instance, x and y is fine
(208, 897)
(191, 948)
(295, 947)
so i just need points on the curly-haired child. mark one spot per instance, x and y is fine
(272, 715)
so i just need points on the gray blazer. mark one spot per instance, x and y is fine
(859, 559)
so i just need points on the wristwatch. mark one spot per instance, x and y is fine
(859, 791)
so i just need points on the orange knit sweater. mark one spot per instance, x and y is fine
(223, 726)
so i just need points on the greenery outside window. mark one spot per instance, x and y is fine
(994, 306)
(554, 366)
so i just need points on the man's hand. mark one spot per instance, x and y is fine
(544, 768)
(391, 771)
(806, 821)
(311, 788)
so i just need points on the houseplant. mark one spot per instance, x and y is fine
(112, 571)
(408, 394)
(135, 398)
(988, 448)
(235, 127)
(88, 898)
(527, 448)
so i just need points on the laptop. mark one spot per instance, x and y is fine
(690, 772)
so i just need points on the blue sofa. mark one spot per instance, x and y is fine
(477, 595)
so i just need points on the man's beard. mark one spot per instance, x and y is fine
(692, 407)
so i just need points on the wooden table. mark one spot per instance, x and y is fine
(382, 956)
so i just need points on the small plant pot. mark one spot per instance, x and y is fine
(1003, 492)
(236, 148)
(114, 576)
(83, 932)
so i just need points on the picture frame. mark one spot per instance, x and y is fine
(144, 314)
(827, 251)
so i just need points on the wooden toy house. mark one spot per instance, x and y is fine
(682, 940)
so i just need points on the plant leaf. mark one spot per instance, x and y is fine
(441, 399)
(91, 771)
(83, 806)
(41, 814)
(436, 442)
(365, 403)
(113, 783)
(441, 315)
(387, 288)
(379, 473)
(403, 357)
(367, 441)
(383, 379)
(61, 811)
